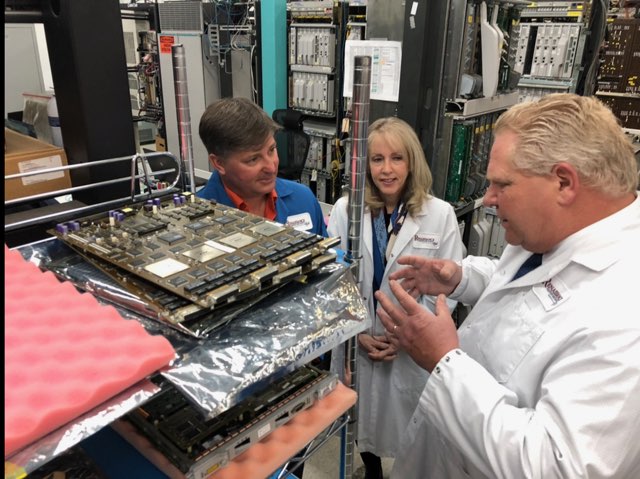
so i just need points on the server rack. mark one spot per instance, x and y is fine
(316, 32)
(617, 82)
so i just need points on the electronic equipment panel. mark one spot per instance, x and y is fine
(188, 256)
(172, 309)
(197, 446)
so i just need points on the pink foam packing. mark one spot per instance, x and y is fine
(65, 353)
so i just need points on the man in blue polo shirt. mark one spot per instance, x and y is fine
(239, 137)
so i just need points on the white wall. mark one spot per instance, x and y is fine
(26, 64)
(43, 53)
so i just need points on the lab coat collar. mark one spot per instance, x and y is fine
(408, 230)
(598, 245)
(410, 227)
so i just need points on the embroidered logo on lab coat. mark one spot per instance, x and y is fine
(426, 241)
(300, 222)
(551, 293)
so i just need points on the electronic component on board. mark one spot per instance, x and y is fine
(197, 445)
(188, 257)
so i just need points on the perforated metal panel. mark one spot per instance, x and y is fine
(181, 17)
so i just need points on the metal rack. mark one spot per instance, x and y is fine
(146, 188)
(147, 172)
(141, 182)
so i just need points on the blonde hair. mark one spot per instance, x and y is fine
(579, 130)
(418, 185)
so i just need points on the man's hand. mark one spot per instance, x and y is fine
(427, 275)
(378, 348)
(425, 336)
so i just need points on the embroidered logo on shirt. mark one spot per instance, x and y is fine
(426, 241)
(300, 222)
(551, 293)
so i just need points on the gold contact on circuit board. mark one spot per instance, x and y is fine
(287, 275)
(320, 261)
(179, 316)
(265, 273)
(221, 293)
(298, 258)
(329, 242)
(247, 284)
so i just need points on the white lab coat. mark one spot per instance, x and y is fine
(389, 391)
(546, 383)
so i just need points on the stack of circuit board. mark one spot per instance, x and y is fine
(191, 260)
(197, 446)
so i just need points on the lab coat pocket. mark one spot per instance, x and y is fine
(513, 336)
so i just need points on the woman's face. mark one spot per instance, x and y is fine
(389, 168)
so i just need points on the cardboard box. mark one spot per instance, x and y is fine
(22, 154)
(161, 143)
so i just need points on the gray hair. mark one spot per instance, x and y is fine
(579, 130)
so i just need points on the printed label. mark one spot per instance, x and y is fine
(166, 41)
(426, 241)
(40, 164)
(264, 430)
(551, 293)
(300, 222)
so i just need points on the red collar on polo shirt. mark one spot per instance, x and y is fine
(269, 207)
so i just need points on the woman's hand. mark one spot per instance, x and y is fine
(378, 348)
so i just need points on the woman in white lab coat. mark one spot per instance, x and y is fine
(401, 218)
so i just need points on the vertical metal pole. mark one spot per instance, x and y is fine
(183, 115)
(359, 126)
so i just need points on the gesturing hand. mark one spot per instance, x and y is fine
(428, 275)
(425, 336)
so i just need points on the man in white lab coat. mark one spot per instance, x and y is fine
(543, 378)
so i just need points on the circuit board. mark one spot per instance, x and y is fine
(197, 250)
(171, 309)
(192, 442)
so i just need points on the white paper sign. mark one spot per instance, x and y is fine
(386, 61)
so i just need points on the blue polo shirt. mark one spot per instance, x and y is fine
(293, 199)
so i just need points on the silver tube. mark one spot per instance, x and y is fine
(359, 126)
(182, 111)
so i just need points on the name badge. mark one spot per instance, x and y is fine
(426, 241)
(551, 293)
(300, 222)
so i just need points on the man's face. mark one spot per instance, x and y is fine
(524, 203)
(249, 173)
